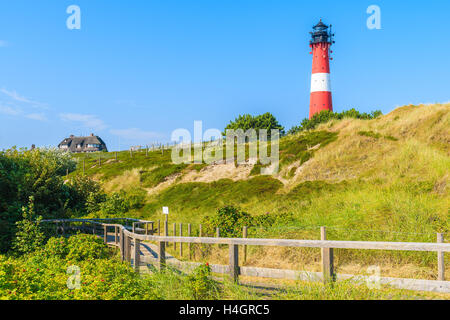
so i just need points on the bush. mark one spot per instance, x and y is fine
(135, 198)
(84, 247)
(29, 236)
(39, 174)
(56, 247)
(44, 275)
(245, 122)
(200, 284)
(230, 220)
(115, 205)
(326, 115)
(86, 194)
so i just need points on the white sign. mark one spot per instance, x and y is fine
(165, 210)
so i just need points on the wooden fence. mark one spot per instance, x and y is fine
(132, 232)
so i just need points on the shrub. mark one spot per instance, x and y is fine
(135, 198)
(245, 122)
(39, 174)
(84, 247)
(115, 204)
(326, 115)
(29, 236)
(86, 194)
(200, 284)
(230, 220)
(56, 247)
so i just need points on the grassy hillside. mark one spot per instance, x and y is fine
(382, 179)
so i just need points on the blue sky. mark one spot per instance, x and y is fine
(137, 70)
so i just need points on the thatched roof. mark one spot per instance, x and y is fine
(91, 143)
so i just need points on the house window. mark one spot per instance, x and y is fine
(93, 146)
(79, 146)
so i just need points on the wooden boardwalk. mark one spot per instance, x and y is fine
(149, 256)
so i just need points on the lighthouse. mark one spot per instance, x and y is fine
(321, 42)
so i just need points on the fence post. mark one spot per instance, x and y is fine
(124, 246)
(159, 227)
(441, 264)
(128, 239)
(105, 234)
(121, 246)
(137, 256)
(189, 244)
(234, 262)
(327, 258)
(166, 230)
(134, 227)
(116, 235)
(162, 255)
(244, 235)
(174, 234)
(218, 235)
(181, 243)
(200, 233)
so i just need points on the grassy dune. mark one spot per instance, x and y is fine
(384, 179)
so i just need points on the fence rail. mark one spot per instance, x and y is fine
(126, 237)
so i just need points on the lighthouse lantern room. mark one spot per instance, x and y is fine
(322, 39)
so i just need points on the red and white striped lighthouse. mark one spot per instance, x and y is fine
(321, 41)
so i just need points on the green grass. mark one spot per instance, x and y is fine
(154, 177)
(298, 147)
(156, 166)
(361, 189)
(376, 136)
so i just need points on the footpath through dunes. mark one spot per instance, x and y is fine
(134, 244)
(366, 180)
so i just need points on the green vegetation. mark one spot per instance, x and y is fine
(29, 237)
(326, 115)
(380, 179)
(374, 135)
(156, 176)
(300, 147)
(36, 175)
(265, 121)
(83, 268)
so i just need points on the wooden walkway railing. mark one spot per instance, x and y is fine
(133, 232)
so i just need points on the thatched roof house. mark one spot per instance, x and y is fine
(83, 144)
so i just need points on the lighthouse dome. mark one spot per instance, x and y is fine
(320, 26)
(320, 34)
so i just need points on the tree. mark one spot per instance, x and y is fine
(29, 236)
